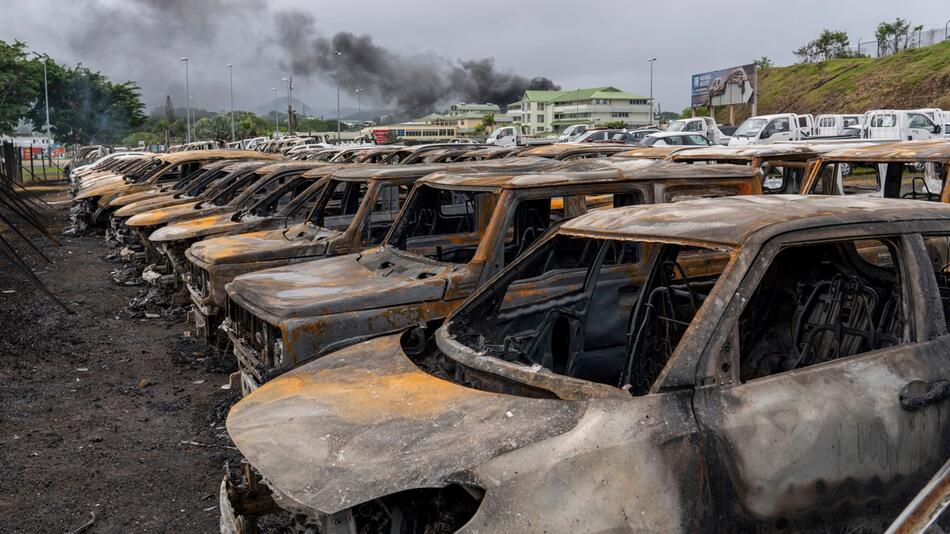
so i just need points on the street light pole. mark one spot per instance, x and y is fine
(651, 60)
(359, 107)
(276, 114)
(337, 55)
(49, 139)
(290, 88)
(187, 104)
(231, 85)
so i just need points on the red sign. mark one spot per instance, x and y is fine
(381, 137)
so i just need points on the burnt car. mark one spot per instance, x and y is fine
(202, 183)
(354, 211)
(231, 188)
(745, 364)
(909, 169)
(571, 151)
(160, 170)
(284, 193)
(454, 233)
(782, 166)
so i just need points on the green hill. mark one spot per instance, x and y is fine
(913, 78)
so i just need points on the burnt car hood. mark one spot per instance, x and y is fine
(110, 187)
(218, 223)
(141, 206)
(338, 284)
(262, 246)
(366, 422)
(129, 198)
(179, 212)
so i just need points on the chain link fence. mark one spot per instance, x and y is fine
(913, 39)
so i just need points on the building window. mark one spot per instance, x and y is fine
(540, 118)
(540, 106)
(620, 115)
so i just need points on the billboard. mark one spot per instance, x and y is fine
(725, 87)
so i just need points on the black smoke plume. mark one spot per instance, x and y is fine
(416, 84)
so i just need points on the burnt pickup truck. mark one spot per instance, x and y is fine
(455, 232)
(353, 213)
(747, 364)
(355, 208)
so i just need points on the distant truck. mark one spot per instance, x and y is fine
(940, 117)
(512, 136)
(835, 125)
(704, 125)
(901, 125)
(768, 129)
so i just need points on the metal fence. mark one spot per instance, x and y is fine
(914, 39)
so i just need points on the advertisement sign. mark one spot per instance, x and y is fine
(725, 87)
(381, 136)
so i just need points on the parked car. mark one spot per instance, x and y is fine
(592, 135)
(455, 232)
(703, 125)
(718, 365)
(572, 131)
(675, 139)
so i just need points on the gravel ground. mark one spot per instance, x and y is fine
(95, 406)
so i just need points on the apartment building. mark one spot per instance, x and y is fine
(549, 112)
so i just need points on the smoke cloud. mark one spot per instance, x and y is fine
(416, 84)
(142, 40)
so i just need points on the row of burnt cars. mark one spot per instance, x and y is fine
(563, 338)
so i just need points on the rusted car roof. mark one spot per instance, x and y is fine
(745, 152)
(384, 172)
(287, 166)
(198, 155)
(564, 150)
(732, 220)
(652, 152)
(493, 151)
(589, 174)
(906, 151)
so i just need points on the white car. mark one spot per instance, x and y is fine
(675, 139)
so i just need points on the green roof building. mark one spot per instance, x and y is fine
(541, 112)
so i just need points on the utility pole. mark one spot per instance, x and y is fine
(276, 114)
(231, 83)
(187, 103)
(337, 55)
(290, 111)
(651, 60)
(49, 138)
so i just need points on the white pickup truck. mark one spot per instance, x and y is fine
(833, 125)
(703, 125)
(768, 129)
(512, 136)
(900, 125)
(940, 117)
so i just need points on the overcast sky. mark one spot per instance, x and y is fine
(575, 44)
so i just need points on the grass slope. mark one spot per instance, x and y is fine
(914, 78)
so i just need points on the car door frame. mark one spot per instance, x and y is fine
(717, 368)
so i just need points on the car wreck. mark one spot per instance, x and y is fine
(160, 170)
(782, 166)
(912, 169)
(354, 210)
(730, 365)
(455, 232)
(284, 192)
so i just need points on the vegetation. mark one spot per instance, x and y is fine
(829, 45)
(911, 78)
(764, 62)
(21, 80)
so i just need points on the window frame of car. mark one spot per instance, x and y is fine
(712, 339)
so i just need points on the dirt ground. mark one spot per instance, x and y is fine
(95, 406)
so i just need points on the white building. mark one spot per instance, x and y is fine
(541, 112)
